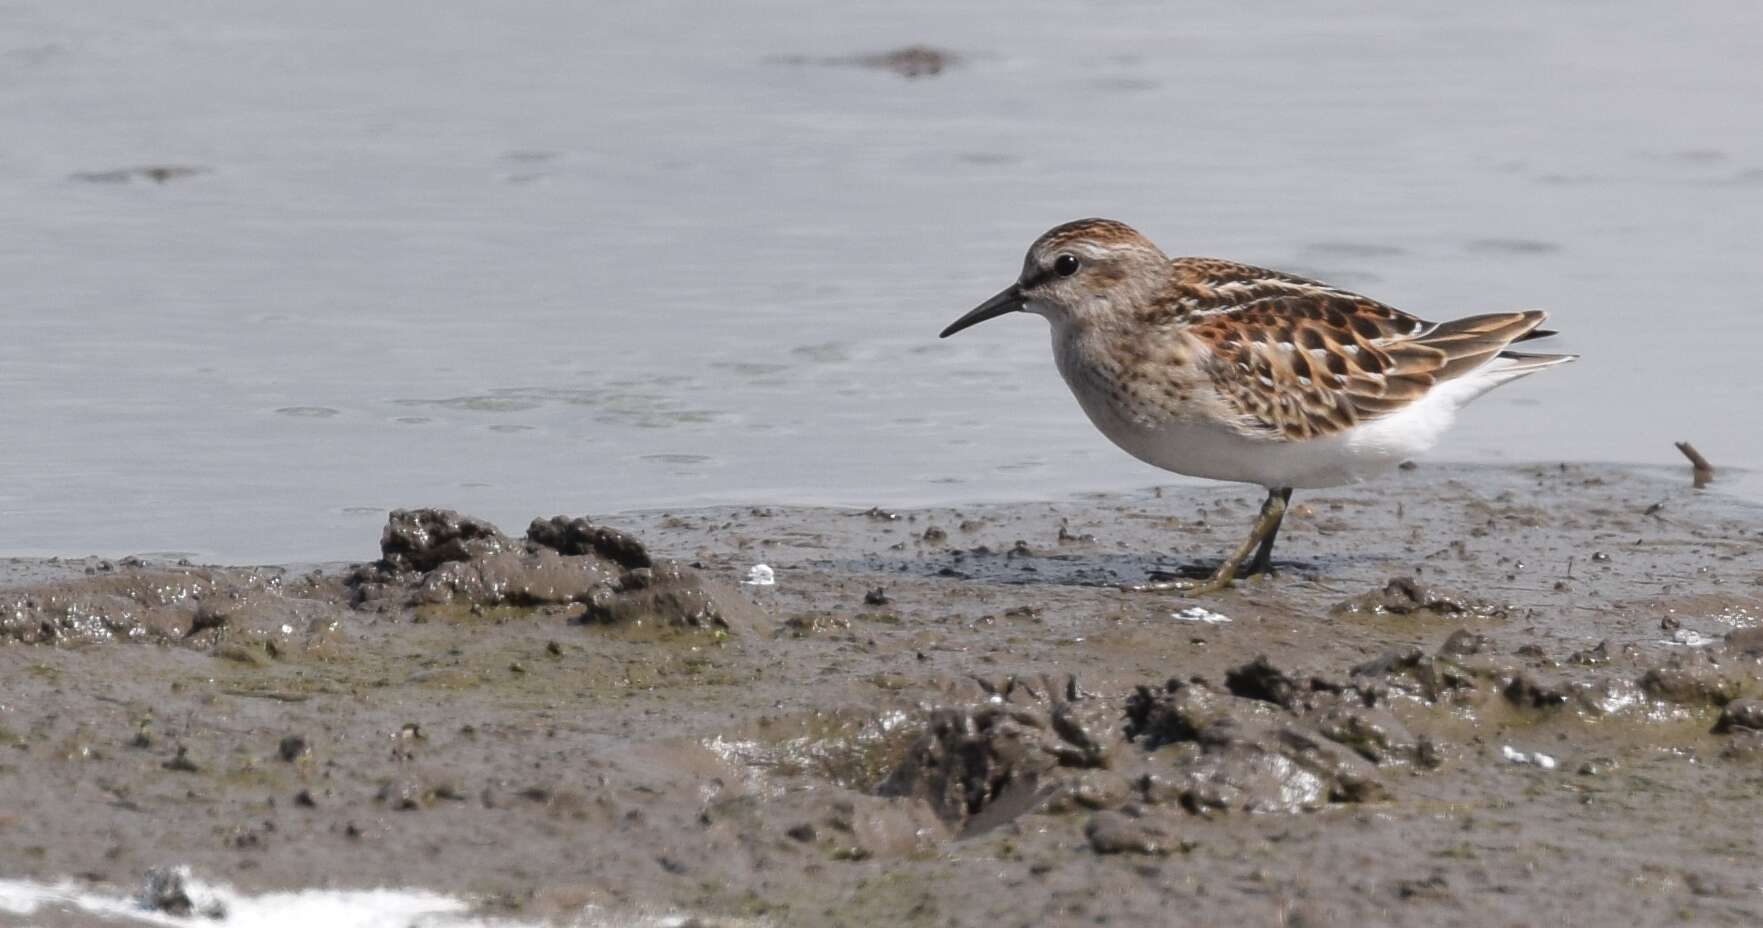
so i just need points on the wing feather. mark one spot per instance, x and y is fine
(1297, 359)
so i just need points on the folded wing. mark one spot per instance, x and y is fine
(1296, 359)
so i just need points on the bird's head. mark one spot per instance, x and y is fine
(1076, 274)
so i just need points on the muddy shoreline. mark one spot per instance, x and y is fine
(1472, 695)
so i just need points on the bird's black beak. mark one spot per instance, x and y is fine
(1008, 300)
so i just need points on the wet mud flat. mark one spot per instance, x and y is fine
(1471, 696)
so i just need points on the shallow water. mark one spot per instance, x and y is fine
(525, 258)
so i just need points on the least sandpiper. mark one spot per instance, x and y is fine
(1221, 370)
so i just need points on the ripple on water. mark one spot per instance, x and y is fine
(751, 369)
(621, 403)
(482, 403)
(307, 412)
(1688, 156)
(1750, 177)
(987, 157)
(824, 353)
(1511, 246)
(1124, 84)
(1563, 179)
(1354, 249)
(529, 155)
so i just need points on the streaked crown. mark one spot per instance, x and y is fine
(1090, 266)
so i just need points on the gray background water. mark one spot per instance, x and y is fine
(522, 258)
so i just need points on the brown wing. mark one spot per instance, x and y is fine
(1298, 359)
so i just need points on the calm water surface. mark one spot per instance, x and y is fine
(524, 258)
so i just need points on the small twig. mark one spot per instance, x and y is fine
(1704, 471)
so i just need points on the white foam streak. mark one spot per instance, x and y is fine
(221, 906)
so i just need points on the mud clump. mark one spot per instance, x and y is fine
(163, 891)
(421, 540)
(292, 748)
(1410, 672)
(431, 559)
(1746, 642)
(252, 613)
(1695, 682)
(1471, 680)
(577, 537)
(1740, 715)
(1535, 691)
(1406, 596)
(1465, 643)
(667, 593)
(1275, 770)
(1375, 735)
(1114, 833)
(166, 890)
(1259, 679)
(981, 766)
(1276, 743)
(1232, 753)
(437, 557)
(1284, 713)
(1591, 682)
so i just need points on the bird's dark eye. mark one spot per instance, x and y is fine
(1065, 265)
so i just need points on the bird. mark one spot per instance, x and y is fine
(1215, 369)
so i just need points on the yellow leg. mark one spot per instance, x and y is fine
(1266, 525)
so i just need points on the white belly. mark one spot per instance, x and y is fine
(1218, 453)
(1200, 448)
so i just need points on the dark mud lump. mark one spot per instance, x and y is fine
(440, 558)
(423, 539)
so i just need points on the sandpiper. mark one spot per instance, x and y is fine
(1221, 370)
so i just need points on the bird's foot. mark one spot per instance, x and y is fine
(1199, 583)
(1200, 587)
